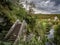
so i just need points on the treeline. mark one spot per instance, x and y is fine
(47, 16)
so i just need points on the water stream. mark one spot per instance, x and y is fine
(50, 37)
(51, 34)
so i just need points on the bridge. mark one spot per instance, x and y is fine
(15, 32)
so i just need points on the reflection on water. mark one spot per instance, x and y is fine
(50, 37)
(51, 34)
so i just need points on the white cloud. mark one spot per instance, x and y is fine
(46, 6)
(40, 11)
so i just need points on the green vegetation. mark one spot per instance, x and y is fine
(57, 34)
(38, 25)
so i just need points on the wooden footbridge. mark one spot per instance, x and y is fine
(15, 32)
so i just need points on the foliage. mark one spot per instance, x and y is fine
(57, 35)
(37, 24)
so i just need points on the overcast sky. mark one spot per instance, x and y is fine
(47, 6)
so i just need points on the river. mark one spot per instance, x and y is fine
(50, 37)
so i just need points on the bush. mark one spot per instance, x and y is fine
(57, 35)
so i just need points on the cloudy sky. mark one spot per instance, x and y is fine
(47, 6)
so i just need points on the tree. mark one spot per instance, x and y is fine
(32, 5)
